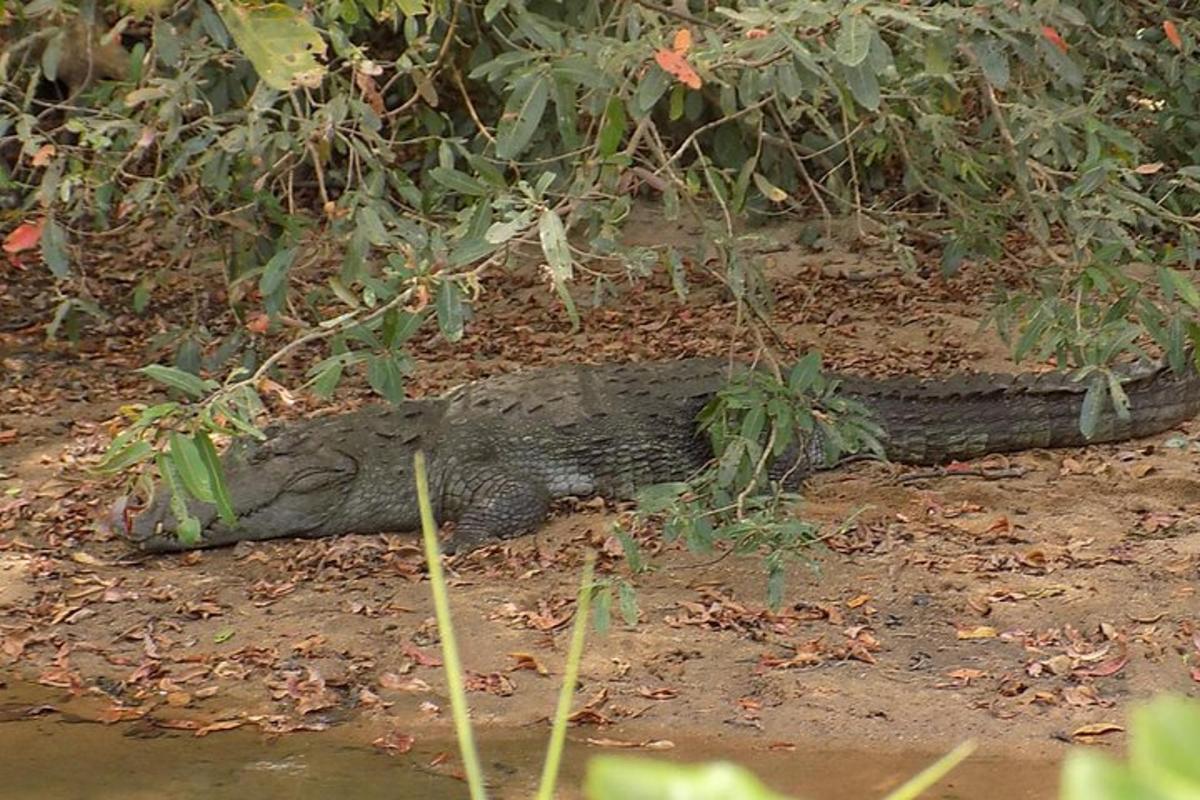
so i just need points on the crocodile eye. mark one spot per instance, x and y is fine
(312, 480)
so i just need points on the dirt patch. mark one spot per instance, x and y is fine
(1024, 611)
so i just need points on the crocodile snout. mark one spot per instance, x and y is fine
(134, 519)
(149, 526)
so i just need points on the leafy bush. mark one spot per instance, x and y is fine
(363, 163)
(770, 434)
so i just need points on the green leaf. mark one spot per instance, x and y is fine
(450, 312)
(853, 41)
(327, 380)
(776, 581)
(185, 382)
(1164, 748)
(234, 420)
(630, 549)
(386, 377)
(119, 459)
(602, 608)
(553, 236)
(565, 112)
(278, 40)
(188, 530)
(1120, 399)
(190, 467)
(613, 131)
(754, 423)
(626, 596)
(156, 412)
(1183, 287)
(54, 249)
(863, 85)
(993, 61)
(367, 218)
(652, 86)
(459, 182)
(564, 296)
(216, 478)
(399, 326)
(494, 7)
(522, 114)
(1093, 406)
(52, 55)
(275, 272)
(805, 374)
(895, 11)
(1091, 776)
(504, 230)
(629, 778)
(659, 497)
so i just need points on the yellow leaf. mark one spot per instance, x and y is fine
(980, 632)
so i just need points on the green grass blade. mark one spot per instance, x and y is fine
(441, 605)
(927, 777)
(558, 733)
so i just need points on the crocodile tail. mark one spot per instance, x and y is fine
(932, 422)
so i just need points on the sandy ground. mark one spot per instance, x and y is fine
(1028, 612)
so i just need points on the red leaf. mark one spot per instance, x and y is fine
(1173, 34)
(675, 64)
(1053, 37)
(24, 237)
(1106, 668)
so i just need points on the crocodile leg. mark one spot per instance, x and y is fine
(500, 506)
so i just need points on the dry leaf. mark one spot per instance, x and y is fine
(1096, 729)
(43, 155)
(528, 661)
(649, 744)
(682, 42)
(395, 742)
(980, 632)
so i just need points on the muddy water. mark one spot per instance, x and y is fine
(57, 756)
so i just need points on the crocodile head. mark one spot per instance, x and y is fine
(296, 483)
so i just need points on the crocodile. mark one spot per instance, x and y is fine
(500, 450)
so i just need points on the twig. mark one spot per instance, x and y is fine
(988, 474)
(671, 12)
(434, 67)
(1018, 168)
(759, 469)
(741, 112)
(808, 181)
(456, 76)
(858, 214)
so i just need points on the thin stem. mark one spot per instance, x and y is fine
(558, 733)
(453, 665)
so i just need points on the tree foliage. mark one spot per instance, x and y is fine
(418, 144)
